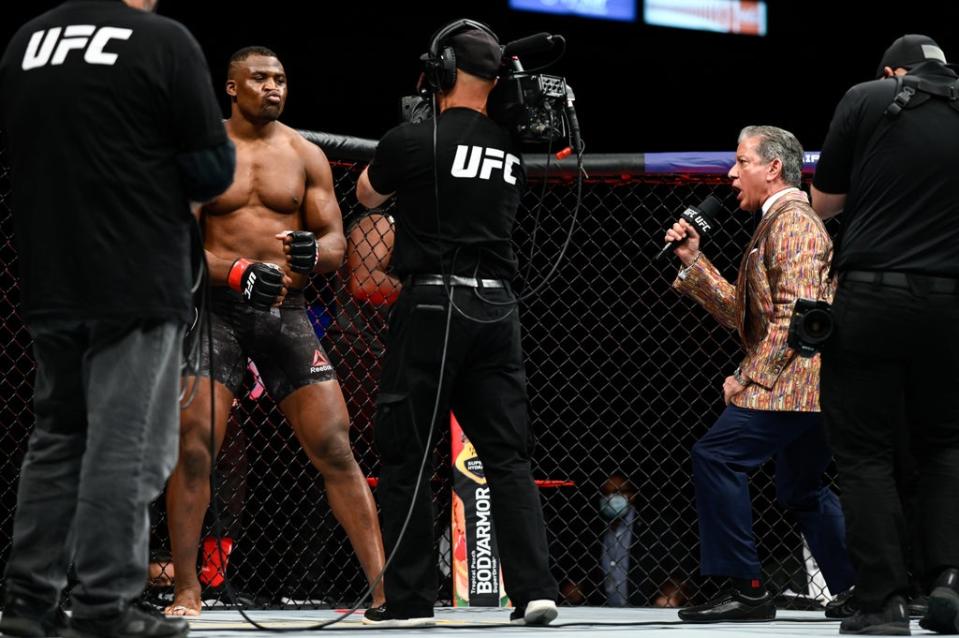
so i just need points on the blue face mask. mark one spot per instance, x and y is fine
(612, 506)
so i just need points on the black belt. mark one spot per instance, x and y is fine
(928, 283)
(454, 280)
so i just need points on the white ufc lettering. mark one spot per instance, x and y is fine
(45, 48)
(95, 53)
(250, 283)
(473, 161)
(493, 159)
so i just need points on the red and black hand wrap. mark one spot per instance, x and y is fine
(258, 282)
(302, 251)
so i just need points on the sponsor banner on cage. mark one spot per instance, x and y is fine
(477, 578)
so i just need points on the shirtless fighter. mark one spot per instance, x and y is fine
(275, 225)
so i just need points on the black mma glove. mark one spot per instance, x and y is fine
(258, 282)
(302, 257)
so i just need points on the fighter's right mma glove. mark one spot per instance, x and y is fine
(258, 282)
(302, 254)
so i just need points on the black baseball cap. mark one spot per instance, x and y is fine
(910, 50)
(477, 52)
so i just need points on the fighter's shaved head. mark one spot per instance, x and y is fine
(246, 52)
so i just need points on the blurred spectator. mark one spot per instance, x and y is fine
(634, 552)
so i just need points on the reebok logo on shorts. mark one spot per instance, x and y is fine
(320, 363)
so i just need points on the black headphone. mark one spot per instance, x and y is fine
(439, 64)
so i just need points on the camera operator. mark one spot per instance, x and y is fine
(772, 399)
(454, 335)
(890, 162)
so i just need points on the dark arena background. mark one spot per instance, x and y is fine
(624, 374)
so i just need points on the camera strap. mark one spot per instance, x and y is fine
(913, 91)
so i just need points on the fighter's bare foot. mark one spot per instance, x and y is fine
(185, 603)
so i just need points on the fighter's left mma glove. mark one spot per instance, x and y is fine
(259, 283)
(302, 251)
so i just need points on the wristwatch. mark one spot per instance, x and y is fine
(741, 379)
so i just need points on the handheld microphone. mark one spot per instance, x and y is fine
(536, 43)
(699, 217)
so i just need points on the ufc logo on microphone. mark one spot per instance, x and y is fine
(696, 219)
(48, 47)
(471, 161)
(702, 223)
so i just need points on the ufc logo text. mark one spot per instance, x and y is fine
(248, 292)
(472, 160)
(48, 47)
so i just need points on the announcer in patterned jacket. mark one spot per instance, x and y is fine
(773, 397)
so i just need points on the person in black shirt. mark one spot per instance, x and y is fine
(112, 129)
(454, 332)
(890, 164)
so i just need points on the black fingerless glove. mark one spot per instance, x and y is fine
(302, 251)
(258, 282)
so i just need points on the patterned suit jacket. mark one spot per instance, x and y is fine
(788, 257)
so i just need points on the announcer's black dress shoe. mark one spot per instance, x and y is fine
(732, 606)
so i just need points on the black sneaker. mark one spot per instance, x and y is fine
(842, 606)
(891, 620)
(382, 617)
(732, 606)
(535, 612)
(24, 619)
(132, 623)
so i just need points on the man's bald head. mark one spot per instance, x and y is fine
(247, 52)
(256, 83)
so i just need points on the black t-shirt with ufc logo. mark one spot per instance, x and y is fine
(481, 177)
(97, 101)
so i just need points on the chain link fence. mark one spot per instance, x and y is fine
(624, 376)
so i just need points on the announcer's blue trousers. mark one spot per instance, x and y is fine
(739, 442)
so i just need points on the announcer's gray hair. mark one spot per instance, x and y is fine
(777, 143)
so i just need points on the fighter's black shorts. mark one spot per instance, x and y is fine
(281, 342)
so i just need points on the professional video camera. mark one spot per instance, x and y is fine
(537, 108)
(810, 327)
